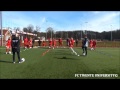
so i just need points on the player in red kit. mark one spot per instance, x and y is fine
(50, 43)
(71, 44)
(54, 43)
(60, 41)
(26, 44)
(91, 44)
(8, 46)
(94, 44)
(30, 43)
(43, 43)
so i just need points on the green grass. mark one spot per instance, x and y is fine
(53, 65)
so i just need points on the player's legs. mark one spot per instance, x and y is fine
(94, 47)
(6, 49)
(9, 49)
(91, 46)
(30, 46)
(83, 49)
(54, 46)
(25, 46)
(73, 50)
(86, 51)
(18, 54)
(50, 45)
(44, 45)
(67, 43)
(13, 56)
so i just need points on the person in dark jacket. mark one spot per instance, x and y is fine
(85, 45)
(67, 41)
(33, 41)
(39, 42)
(15, 44)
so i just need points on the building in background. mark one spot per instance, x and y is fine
(8, 33)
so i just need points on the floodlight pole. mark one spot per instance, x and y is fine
(51, 31)
(1, 28)
(46, 35)
(46, 30)
(86, 28)
(111, 32)
(81, 31)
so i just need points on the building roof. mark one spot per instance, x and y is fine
(4, 31)
(21, 32)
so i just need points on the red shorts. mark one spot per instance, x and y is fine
(71, 46)
(54, 45)
(8, 46)
(25, 44)
(94, 46)
(50, 44)
(43, 44)
(30, 45)
(91, 45)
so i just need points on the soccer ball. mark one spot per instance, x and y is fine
(22, 59)
(9, 52)
(92, 49)
(78, 55)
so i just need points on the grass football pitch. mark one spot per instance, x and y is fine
(60, 63)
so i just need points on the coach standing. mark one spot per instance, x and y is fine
(85, 45)
(15, 43)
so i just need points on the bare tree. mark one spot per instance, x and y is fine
(30, 28)
(16, 29)
(37, 28)
(50, 32)
(25, 29)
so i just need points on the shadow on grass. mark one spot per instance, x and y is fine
(4, 61)
(83, 55)
(66, 58)
(62, 53)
